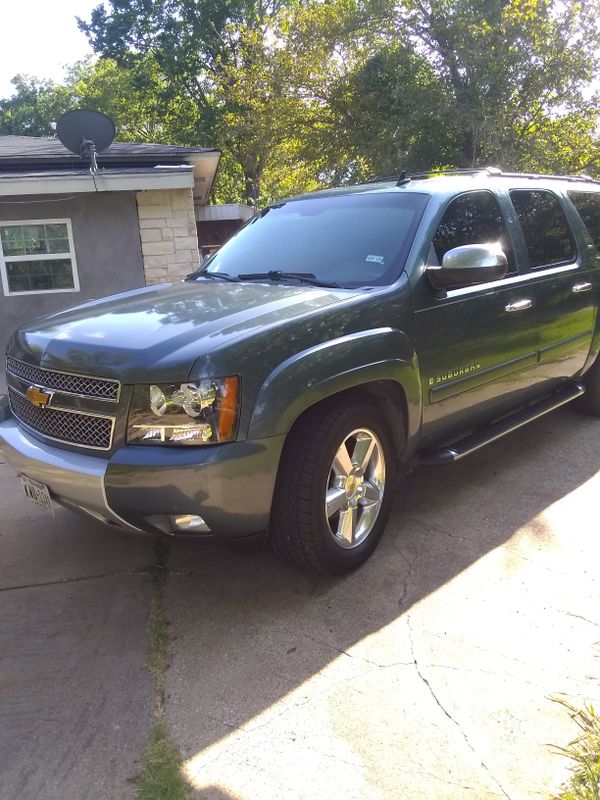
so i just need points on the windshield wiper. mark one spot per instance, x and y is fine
(278, 275)
(223, 276)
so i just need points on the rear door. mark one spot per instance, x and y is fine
(562, 286)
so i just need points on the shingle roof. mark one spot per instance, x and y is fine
(24, 153)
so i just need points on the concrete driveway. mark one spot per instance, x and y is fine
(428, 673)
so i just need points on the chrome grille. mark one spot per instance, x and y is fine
(71, 427)
(97, 388)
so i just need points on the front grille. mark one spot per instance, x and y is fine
(84, 386)
(71, 427)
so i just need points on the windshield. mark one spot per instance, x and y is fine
(346, 240)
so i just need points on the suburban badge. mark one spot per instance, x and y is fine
(455, 373)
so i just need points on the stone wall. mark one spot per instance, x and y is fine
(168, 234)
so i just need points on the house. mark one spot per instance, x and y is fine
(68, 235)
(216, 224)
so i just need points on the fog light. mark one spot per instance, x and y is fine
(189, 522)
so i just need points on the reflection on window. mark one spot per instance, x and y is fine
(588, 206)
(349, 239)
(37, 257)
(472, 218)
(544, 227)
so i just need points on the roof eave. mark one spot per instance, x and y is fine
(181, 177)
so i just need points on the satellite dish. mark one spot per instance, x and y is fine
(86, 133)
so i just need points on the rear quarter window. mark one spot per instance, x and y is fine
(545, 228)
(588, 207)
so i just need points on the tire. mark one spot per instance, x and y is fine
(589, 403)
(343, 452)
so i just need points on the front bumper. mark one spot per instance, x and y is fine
(230, 486)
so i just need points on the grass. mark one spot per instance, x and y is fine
(584, 752)
(160, 776)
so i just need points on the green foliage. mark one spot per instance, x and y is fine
(584, 752)
(397, 114)
(510, 67)
(33, 105)
(138, 97)
(301, 94)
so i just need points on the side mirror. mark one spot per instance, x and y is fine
(468, 265)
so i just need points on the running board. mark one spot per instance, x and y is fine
(474, 442)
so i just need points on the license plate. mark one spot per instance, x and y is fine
(36, 492)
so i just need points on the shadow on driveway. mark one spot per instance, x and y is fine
(258, 642)
(424, 674)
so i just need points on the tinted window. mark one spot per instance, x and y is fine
(354, 240)
(545, 228)
(588, 205)
(473, 218)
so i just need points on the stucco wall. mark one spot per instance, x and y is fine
(107, 248)
(168, 233)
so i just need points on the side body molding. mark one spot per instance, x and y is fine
(333, 366)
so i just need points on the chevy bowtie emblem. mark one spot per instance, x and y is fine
(38, 396)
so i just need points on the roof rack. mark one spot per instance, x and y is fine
(405, 177)
(492, 172)
(542, 176)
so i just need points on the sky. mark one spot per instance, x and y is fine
(40, 37)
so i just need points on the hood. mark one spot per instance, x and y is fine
(163, 328)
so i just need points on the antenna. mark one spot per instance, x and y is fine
(86, 133)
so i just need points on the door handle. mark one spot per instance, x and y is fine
(519, 305)
(581, 287)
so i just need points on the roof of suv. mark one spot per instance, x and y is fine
(450, 182)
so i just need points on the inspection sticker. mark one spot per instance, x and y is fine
(376, 259)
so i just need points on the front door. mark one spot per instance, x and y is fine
(477, 345)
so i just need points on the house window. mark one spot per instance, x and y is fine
(37, 256)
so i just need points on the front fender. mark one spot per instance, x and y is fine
(334, 366)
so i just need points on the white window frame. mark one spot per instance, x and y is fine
(39, 257)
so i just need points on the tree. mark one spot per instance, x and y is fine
(511, 66)
(300, 94)
(395, 112)
(138, 98)
(260, 73)
(217, 56)
(33, 106)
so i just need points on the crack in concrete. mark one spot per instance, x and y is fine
(448, 782)
(409, 571)
(356, 656)
(579, 616)
(248, 728)
(82, 578)
(494, 674)
(516, 551)
(447, 713)
(435, 528)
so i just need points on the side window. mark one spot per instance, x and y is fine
(588, 206)
(472, 218)
(545, 227)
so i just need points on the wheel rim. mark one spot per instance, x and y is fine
(355, 488)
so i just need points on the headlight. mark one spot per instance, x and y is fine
(185, 413)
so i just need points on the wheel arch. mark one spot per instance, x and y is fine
(379, 364)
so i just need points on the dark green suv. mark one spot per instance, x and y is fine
(337, 336)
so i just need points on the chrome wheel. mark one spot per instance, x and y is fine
(355, 488)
